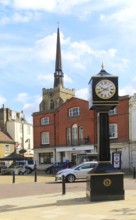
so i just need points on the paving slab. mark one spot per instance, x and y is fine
(67, 207)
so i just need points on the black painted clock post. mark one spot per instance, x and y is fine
(104, 182)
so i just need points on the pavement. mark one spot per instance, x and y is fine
(55, 206)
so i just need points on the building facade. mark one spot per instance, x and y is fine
(132, 131)
(6, 144)
(19, 129)
(119, 131)
(65, 133)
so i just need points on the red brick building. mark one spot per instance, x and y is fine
(119, 130)
(65, 128)
(72, 130)
(69, 131)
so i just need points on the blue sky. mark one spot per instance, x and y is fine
(92, 32)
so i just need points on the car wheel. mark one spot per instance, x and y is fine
(70, 178)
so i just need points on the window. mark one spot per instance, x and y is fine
(74, 134)
(68, 136)
(113, 131)
(74, 112)
(45, 138)
(81, 135)
(13, 115)
(45, 158)
(21, 128)
(87, 166)
(45, 121)
(28, 129)
(51, 104)
(7, 149)
(113, 111)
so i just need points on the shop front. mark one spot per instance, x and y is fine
(76, 154)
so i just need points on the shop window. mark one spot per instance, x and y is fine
(45, 158)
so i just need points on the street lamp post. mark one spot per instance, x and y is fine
(22, 121)
(22, 151)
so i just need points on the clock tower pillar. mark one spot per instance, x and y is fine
(104, 182)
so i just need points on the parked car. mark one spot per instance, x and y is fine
(29, 165)
(2, 165)
(20, 167)
(76, 172)
(55, 167)
(9, 170)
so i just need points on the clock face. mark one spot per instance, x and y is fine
(105, 89)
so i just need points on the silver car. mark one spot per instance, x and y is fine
(76, 172)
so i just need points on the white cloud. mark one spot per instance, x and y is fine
(17, 17)
(124, 16)
(13, 54)
(45, 48)
(22, 97)
(26, 10)
(32, 107)
(67, 78)
(129, 89)
(45, 77)
(35, 5)
(59, 6)
(5, 2)
(82, 93)
(78, 53)
(48, 79)
(4, 20)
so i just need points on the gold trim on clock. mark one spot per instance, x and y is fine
(107, 182)
(105, 89)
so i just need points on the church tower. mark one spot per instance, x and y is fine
(56, 96)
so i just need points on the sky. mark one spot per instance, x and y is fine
(92, 32)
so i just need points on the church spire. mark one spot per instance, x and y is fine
(58, 75)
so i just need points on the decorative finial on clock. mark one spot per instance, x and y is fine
(102, 66)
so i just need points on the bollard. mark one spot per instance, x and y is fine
(13, 177)
(134, 173)
(35, 175)
(63, 185)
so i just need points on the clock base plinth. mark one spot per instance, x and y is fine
(105, 186)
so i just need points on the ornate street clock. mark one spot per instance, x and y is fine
(103, 96)
(103, 91)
